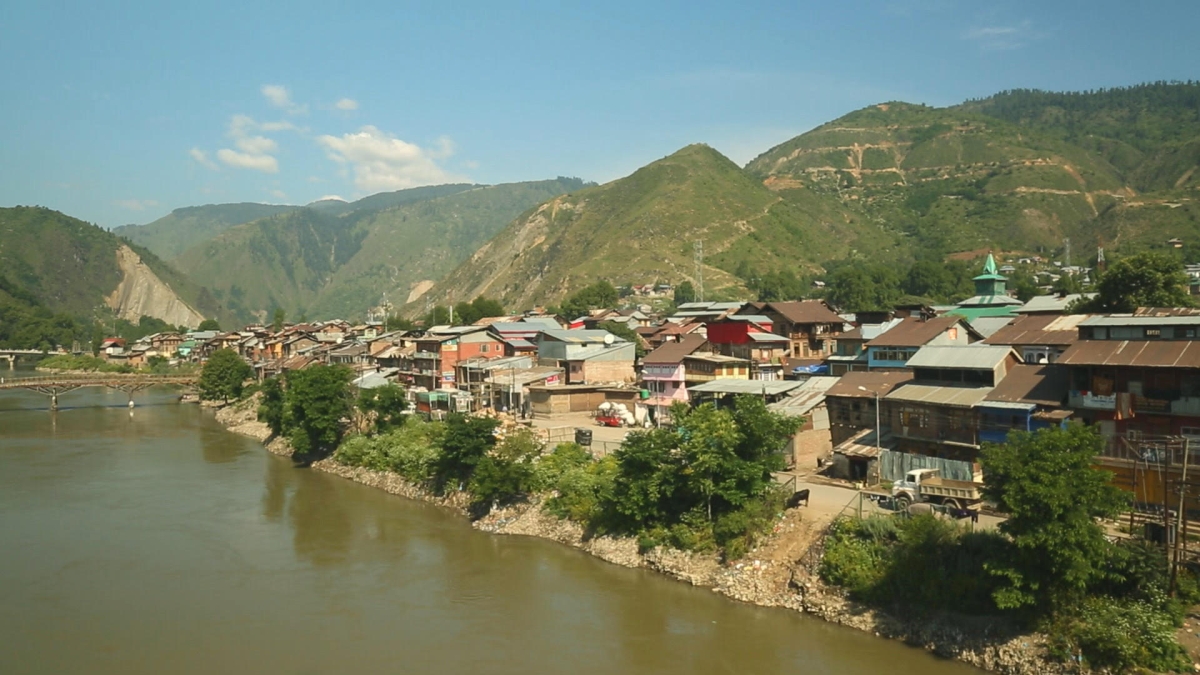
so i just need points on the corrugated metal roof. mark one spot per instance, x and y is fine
(800, 401)
(959, 397)
(673, 352)
(988, 325)
(1050, 303)
(1039, 329)
(872, 382)
(1131, 320)
(1043, 384)
(976, 356)
(582, 336)
(804, 311)
(731, 386)
(766, 337)
(1149, 353)
(863, 444)
(914, 332)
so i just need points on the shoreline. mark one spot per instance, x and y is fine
(792, 584)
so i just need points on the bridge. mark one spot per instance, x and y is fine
(54, 385)
(11, 355)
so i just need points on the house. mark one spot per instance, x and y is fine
(165, 344)
(810, 326)
(811, 442)
(722, 392)
(663, 371)
(850, 354)
(851, 402)
(700, 367)
(112, 346)
(1039, 338)
(520, 337)
(893, 348)
(991, 296)
(933, 414)
(1028, 398)
(749, 337)
(704, 311)
(588, 356)
(440, 349)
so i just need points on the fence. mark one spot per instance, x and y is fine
(598, 448)
(893, 465)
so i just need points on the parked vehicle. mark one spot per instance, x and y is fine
(926, 485)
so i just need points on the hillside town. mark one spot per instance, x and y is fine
(880, 393)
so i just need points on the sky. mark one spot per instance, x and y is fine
(117, 113)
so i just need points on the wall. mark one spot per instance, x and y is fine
(608, 371)
(893, 466)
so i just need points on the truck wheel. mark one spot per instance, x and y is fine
(903, 502)
(952, 504)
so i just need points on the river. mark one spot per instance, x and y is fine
(154, 541)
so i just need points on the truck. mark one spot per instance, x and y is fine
(927, 485)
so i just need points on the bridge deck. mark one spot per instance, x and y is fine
(107, 380)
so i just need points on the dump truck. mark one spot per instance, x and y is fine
(927, 485)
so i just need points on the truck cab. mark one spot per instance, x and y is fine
(908, 491)
(927, 485)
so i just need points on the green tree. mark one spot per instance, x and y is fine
(466, 441)
(486, 308)
(279, 319)
(396, 322)
(209, 324)
(271, 405)
(507, 472)
(1144, 280)
(625, 332)
(857, 287)
(1046, 483)
(601, 294)
(438, 316)
(222, 376)
(317, 399)
(685, 292)
(385, 405)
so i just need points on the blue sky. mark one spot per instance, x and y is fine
(119, 112)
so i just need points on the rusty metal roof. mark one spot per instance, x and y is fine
(872, 381)
(1043, 384)
(958, 397)
(915, 332)
(1039, 329)
(674, 352)
(1147, 353)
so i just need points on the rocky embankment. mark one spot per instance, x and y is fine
(764, 577)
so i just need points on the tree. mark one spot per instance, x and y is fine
(486, 308)
(438, 316)
(685, 292)
(222, 376)
(209, 324)
(466, 441)
(317, 399)
(396, 322)
(271, 406)
(385, 404)
(625, 332)
(1053, 495)
(507, 472)
(278, 321)
(857, 287)
(1144, 280)
(599, 295)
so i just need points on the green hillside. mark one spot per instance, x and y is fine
(322, 264)
(641, 228)
(51, 262)
(183, 228)
(386, 200)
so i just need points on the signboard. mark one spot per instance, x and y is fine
(1096, 401)
(552, 380)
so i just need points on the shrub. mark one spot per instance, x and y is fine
(507, 472)
(581, 490)
(851, 560)
(1123, 634)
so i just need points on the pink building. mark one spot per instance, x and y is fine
(663, 372)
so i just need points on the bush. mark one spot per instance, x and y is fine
(507, 472)
(1123, 634)
(581, 489)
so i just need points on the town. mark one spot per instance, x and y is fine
(880, 393)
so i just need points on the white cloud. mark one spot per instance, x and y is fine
(347, 104)
(1002, 38)
(202, 159)
(282, 125)
(243, 160)
(279, 194)
(136, 204)
(279, 96)
(384, 162)
(256, 145)
(253, 151)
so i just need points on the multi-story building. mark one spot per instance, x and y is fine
(892, 349)
(810, 326)
(588, 356)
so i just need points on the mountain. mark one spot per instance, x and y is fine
(333, 262)
(65, 265)
(385, 200)
(641, 228)
(183, 228)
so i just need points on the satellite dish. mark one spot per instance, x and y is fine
(608, 339)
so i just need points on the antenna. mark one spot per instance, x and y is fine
(698, 257)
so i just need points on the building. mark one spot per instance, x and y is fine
(588, 356)
(1052, 304)
(811, 442)
(810, 326)
(894, 348)
(663, 371)
(439, 351)
(748, 337)
(851, 402)
(991, 295)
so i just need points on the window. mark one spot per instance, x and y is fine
(483, 349)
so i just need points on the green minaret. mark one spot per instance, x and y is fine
(991, 282)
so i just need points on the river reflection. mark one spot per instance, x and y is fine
(159, 542)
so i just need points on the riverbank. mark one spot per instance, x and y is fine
(780, 572)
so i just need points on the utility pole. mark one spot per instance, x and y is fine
(1181, 520)
(698, 259)
(1066, 252)
(877, 427)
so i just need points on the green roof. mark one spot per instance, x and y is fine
(972, 313)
